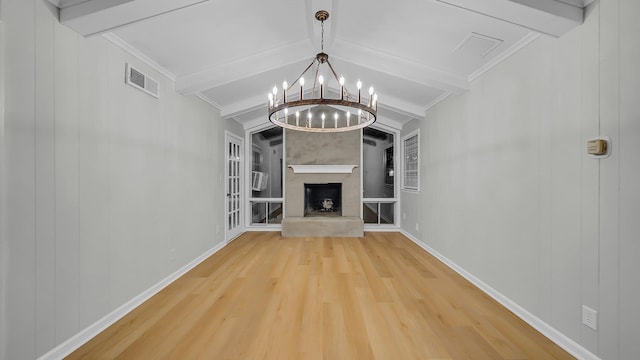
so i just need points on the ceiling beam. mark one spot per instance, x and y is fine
(244, 106)
(258, 122)
(390, 123)
(94, 17)
(292, 53)
(237, 70)
(66, 3)
(400, 68)
(400, 106)
(550, 17)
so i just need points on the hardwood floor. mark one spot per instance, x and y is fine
(267, 297)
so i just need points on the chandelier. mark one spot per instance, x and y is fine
(315, 112)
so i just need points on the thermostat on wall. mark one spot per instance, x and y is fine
(599, 147)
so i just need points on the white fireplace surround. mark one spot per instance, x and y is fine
(323, 169)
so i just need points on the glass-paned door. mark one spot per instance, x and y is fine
(233, 186)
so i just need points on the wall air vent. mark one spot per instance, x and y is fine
(140, 81)
(369, 142)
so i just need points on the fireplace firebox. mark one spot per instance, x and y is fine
(323, 199)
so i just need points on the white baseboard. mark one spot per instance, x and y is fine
(73, 343)
(545, 329)
(259, 229)
(381, 228)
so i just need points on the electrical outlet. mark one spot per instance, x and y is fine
(590, 317)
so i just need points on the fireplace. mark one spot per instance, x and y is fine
(323, 199)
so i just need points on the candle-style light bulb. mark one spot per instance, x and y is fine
(348, 118)
(341, 80)
(301, 81)
(309, 119)
(297, 118)
(375, 100)
(274, 90)
(335, 119)
(270, 96)
(284, 91)
(370, 95)
(321, 81)
(322, 117)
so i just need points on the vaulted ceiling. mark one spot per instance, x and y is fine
(230, 53)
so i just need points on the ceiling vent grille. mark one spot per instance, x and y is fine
(140, 81)
(478, 45)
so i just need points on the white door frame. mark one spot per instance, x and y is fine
(233, 210)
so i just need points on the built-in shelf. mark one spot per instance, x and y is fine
(323, 169)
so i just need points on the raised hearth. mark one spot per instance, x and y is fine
(343, 226)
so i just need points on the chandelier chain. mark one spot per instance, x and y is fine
(322, 36)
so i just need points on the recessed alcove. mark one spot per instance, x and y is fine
(324, 158)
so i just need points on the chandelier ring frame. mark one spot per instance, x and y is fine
(305, 103)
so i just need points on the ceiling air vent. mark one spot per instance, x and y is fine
(140, 81)
(478, 45)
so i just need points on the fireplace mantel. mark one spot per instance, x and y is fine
(323, 169)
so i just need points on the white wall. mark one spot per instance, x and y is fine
(3, 244)
(509, 194)
(108, 189)
(620, 178)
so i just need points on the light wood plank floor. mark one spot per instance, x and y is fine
(267, 297)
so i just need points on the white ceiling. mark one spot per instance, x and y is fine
(230, 53)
